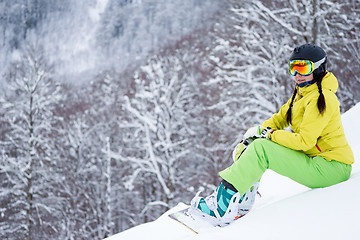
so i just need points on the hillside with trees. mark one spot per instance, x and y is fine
(118, 129)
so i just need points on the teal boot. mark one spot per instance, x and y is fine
(224, 205)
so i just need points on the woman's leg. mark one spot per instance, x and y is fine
(263, 154)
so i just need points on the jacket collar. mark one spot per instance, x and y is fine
(307, 89)
(329, 82)
(301, 85)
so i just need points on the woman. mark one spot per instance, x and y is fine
(315, 154)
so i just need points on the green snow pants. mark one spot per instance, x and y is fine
(262, 154)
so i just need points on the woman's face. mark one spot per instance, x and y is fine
(301, 79)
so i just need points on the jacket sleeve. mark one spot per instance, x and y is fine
(312, 125)
(278, 120)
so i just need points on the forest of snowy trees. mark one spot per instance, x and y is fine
(175, 86)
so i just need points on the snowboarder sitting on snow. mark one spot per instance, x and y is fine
(316, 154)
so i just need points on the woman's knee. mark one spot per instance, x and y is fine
(258, 151)
(259, 144)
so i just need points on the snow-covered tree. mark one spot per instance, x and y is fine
(160, 132)
(249, 61)
(28, 159)
(89, 191)
(133, 29)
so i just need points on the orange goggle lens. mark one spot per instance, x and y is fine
(303, 67)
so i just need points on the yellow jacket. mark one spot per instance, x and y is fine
(314, 134)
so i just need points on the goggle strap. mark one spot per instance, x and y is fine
(318, 63)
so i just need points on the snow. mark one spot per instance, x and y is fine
(286, 210)
(96, 11)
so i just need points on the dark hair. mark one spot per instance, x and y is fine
(288, 113)
(321, 99)
(321, 105)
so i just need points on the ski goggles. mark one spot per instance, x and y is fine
(304, 67)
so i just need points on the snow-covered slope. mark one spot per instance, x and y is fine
(287, 210)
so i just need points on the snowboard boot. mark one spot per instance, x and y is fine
(224, 205)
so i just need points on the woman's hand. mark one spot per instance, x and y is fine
(257, 132)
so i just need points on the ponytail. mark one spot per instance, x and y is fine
(288, 113)
(321, 100)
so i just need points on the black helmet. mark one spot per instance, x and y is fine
(313, 53)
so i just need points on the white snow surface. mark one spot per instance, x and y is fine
(286, 210)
